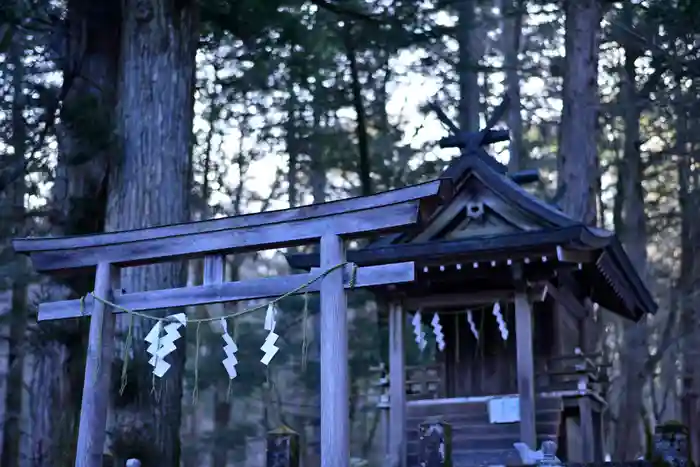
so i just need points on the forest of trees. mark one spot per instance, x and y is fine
(127, 114)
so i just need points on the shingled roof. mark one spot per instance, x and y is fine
(508, 222)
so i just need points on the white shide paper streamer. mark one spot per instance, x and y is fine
(160, 346)
(501, 323)
(472, 326)
(269, 346)
(418, 331)
(230, 350)
(437, 331)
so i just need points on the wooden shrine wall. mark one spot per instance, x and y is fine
(488, 366)
(567, 331)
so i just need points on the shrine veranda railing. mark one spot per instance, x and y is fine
(330, 223)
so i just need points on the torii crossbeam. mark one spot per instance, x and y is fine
(331, 223)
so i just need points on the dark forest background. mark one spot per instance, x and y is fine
(124, 114)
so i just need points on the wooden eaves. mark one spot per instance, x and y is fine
(616, 284)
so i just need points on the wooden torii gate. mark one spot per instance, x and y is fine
(331, 223)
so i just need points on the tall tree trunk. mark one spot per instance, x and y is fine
(688, 197)
(468, 37)
(633, 233)
(317, 176)
(78, 206)
(292, 142)
(222, 406)
(149, 186)
(390, 169)
(577, 160)
(361, 115)
(512, 12)
(578, 155)
(317, 166)
(12, 429)
(318, 181)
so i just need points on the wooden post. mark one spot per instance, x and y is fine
(397, 387)
(589, 329)
(435, 444)
(589, 341)
(587, 430)
(383, 405)
(98, 371)
(688, 407)
(335, 378)
(213, 273)
(282, 448)
(385, 426)
(526, 369)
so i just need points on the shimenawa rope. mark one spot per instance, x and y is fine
(199, 321)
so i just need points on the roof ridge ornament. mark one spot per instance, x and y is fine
(471, 143)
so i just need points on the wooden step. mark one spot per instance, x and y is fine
(489, 431)
(449, 407)
(475, 441)
(481, 457)
(459, 420)
(469, 444)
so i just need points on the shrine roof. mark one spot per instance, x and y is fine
(490, 218)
